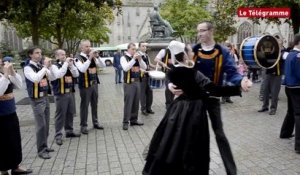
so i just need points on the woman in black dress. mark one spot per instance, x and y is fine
(10, 147)
(180, 144)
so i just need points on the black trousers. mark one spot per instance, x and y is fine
(146, 97)
(292, 118)
(213, 108)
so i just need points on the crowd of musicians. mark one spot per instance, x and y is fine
(180, 144)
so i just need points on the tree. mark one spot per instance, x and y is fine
(81, 19)
(184, 15)
(60, 20)
(25, 15)
(223, 19)
(294, 5)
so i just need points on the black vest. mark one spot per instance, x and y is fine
(60, 85)
(129, 74)
(146, 60)
(34, 88)
(166, 59)
(8, 106)
(86, 79)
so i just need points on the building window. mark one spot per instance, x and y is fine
(119, 37)
(291, 37)
(129, 37)
(244, 31)
(12, 40)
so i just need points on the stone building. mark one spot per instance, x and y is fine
(246, 28)
(133, 25)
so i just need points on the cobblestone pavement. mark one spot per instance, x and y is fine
(253, 137)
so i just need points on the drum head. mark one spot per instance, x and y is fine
(267, 51)
(157, 74)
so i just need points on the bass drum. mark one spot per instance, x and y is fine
(263, 51)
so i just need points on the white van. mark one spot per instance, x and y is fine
(106, 54)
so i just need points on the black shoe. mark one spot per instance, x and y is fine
(125, 126)
(72, 134)
(287, 137)
(44, 155)
(263, 110)
(272, 112)
(84, 131)
(144, 112)
(49, 150)
(150, 111)
(136, 123)
(98, 126)
(58, 142)
(15, 172)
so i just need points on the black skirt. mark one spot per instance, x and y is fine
(10, 145)
(180, 144)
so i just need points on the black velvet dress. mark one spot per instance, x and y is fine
(10, 136)
(180, 144)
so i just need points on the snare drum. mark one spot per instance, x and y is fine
(156, 79)
(263, 51)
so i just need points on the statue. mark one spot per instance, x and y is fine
(160, 27)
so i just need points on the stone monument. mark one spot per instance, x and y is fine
(161, 33)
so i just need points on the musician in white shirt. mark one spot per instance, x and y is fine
(37, 78)
(64, 73)
(87, 62)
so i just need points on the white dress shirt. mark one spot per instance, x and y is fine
(4, 82)
(128, 65)
(60, 72)
(36, 77)
(161, 54)
(82, 67)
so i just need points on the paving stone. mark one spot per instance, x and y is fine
(253, 136)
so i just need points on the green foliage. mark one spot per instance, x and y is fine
(184, 15)
(5, 50)
(223, 19)
(60, 21)
(81, 21)
(25, 16)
